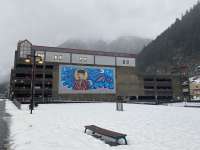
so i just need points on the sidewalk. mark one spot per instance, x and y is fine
(4, 131)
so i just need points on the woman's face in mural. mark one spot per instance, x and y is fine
(81, 79)
(81, 75)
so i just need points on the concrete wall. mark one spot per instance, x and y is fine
(82, 59)
(58, 57)
(124, 61)
(105, 60)
(89, 59)
(128, 82)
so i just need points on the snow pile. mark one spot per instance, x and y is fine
(196, 98)
(61, 127)
(195, 79)
(183, 104)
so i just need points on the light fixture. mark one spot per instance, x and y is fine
(40, 62)
(27, 60)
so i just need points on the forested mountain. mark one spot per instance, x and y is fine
(4, 87)
(178, 45)
(127, 44)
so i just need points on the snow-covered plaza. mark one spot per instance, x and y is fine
(61, 127)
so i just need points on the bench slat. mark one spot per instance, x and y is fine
(106, 132)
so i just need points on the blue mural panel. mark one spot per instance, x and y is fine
(86, 79)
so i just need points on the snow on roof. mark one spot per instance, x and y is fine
(195, 79)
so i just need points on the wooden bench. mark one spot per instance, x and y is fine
(115, 135)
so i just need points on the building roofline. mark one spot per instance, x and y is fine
(82, 51)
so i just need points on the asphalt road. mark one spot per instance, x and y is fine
(4, 130)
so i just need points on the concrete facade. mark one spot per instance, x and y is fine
(105, 60)
(129, 83)
(82, 59)
(58, 57)
(46, 77)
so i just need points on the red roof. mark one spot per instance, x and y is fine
(82, 51)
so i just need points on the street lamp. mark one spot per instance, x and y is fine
(27, 60)
(33, 59)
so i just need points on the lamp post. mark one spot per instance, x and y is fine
(32, 82)
(33, 59)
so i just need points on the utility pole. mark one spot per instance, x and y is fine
(32, 82)
(32, 59)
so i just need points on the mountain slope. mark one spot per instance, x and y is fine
(127, 44)
(178, 45)
(4, 87)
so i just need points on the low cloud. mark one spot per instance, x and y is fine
(51, 22)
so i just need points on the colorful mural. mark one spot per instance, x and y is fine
(85, 79)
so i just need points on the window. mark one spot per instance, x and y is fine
(55, 57)
(125, 61)
(83, 59)
(25, 49)
(40, 54)
(60, 57)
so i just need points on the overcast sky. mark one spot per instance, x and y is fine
(51, 22)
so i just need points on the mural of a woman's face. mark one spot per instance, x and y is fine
(87, 79)
(81, 75)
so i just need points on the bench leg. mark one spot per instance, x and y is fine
(116, 141)
(85, 130)
(125, 141)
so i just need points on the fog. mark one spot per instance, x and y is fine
(51, 22)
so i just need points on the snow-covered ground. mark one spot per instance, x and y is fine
(184, 104)
(61, 127)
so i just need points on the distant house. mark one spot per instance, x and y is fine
(195, 89)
